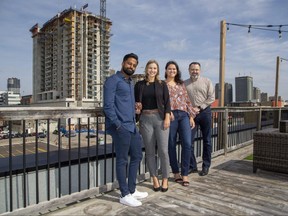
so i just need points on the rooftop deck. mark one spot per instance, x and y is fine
(230, 188)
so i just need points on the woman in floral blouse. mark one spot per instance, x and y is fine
(182, 120)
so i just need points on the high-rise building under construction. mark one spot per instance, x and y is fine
(67, 67)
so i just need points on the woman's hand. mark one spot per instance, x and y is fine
(166, 123)
(138, 107)
(192, 122)
(172, 116)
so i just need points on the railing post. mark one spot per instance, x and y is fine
(219, 129)
(259, 120)
(277, 118)
(225, 131)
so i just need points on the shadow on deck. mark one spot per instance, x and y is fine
(230, 188)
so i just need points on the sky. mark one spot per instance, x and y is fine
(184, 31)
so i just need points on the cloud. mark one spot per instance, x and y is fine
(176, 45)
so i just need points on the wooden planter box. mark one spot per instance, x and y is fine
(270, 150)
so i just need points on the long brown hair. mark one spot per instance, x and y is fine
(177, 78)
(157, 78)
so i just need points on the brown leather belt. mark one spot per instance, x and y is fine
(150, 111)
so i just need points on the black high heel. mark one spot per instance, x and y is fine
(157, 188)
(164, 189)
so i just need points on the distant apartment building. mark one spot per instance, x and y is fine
(228, 93)
(256, 94)
(26, 100)
(243, 88)
(8, 98)
(264, 97)
(13, 85)
(67, 67)
(272, 98)
(137, 77)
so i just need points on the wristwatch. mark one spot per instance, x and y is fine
(200, 108)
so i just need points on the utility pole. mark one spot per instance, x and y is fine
(277, 80)
(222, 63)
(223, 117)
(276, 112)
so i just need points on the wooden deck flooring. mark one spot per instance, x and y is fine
(230, 188)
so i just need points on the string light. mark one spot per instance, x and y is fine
(280, 32)
(276, 28)
(228, 27)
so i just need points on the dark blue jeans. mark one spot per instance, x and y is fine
(127, 143)
(180, 125)
(202, 120)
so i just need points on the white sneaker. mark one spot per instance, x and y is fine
(139, 195)
(129, 200)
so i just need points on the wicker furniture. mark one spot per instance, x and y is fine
(270, 150)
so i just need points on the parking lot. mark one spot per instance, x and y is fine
(52, 139)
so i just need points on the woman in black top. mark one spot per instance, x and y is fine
(152, 98)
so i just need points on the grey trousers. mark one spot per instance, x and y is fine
(153, 133)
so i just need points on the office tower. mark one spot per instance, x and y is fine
(243, 88)
(264, 97)
(228, 93)
(256, 93)
(67, 68)
(9, 98)
(13, 85)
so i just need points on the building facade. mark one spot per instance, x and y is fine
(243, 88)
(8, 98)
(67, 67)
(257, 94)
(264, 97)
(228, 93)
(13, 85)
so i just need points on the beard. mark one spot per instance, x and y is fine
(129, 72)
(194, 76)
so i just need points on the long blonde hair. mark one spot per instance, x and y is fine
(157, 78)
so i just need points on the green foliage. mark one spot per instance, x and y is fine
(249, 157)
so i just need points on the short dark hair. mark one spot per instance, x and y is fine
(197, 63)
(130, 55)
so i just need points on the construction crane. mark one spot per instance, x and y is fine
(103, 33)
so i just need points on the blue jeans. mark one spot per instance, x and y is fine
(202, 120)
(127, 142)
(180, 124)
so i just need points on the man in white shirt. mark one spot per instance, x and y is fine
(202, 95)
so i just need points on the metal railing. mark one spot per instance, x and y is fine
(75, 154)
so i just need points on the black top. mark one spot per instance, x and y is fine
(149, 97)
(161, 95)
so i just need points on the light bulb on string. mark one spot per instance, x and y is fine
(280, 32)
(227, 27)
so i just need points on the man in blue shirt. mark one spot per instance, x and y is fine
(119, 109)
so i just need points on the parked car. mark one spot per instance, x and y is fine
(72, 134)
(41, 135)
(91, 135)
(5, 135)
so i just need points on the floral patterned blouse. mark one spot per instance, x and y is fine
(179, 99)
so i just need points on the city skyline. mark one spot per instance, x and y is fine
(184, 32)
